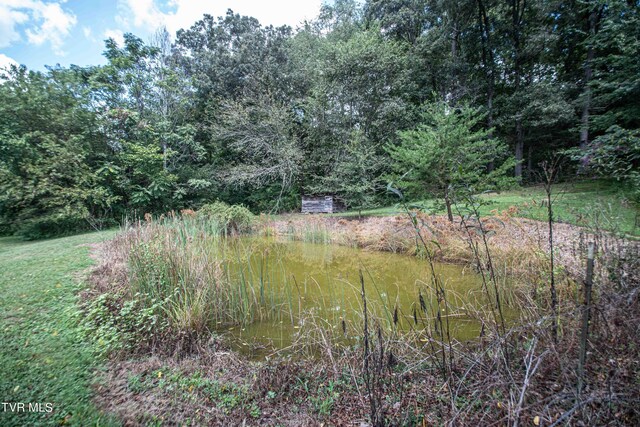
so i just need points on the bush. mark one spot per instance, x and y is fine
(52, 226)
(118, 325)
(6, 228)
(234, 218)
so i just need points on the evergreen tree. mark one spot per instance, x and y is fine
(449, 148)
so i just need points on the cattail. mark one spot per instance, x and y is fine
(423, 305)
(395, 315)
(415, 315)
(344, 326)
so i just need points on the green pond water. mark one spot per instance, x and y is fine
(298, 281)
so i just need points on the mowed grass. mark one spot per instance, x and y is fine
(594, 204)
(43, 357)
(601, 204)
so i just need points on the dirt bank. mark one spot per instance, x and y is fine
(523, 240)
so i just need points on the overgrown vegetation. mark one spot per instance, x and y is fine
(232, 219)
(515, 373)
(159, 306)
(450, 101)
(582, 203)
(180, 279)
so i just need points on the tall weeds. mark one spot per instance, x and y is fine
(515, 374)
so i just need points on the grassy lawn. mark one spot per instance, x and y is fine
(43, 358)
(586, 203)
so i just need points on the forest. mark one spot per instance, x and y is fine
(234, 111)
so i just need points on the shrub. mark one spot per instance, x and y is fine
(52, 226)
(235, 218)
(118, 325)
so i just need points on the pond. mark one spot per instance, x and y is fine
(302, 282)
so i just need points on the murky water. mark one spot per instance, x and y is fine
(300, 280)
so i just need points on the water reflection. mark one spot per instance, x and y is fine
(298, 279)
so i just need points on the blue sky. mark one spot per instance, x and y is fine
(48, 32)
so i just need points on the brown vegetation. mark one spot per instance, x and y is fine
(522, 376)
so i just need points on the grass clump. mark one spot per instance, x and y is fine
(310, 232)
(174, 281)
(177, 286)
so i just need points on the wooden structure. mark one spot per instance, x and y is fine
(321, 204)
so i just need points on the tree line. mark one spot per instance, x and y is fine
(423, 92)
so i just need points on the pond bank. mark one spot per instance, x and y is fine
(475, 385)
(518, 239)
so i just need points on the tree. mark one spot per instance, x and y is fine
(616, 154)
(616, 67)
(402, 19)
(232, 55)
(258, 115)
(355, 177)
(170, 99)
(266, 150)
(449, 148)
(132, 167)
(48, 153)
(358, 83)
(125, 81)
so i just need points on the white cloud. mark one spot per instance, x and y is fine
(117, 35)
(6, 61)
(147, 14)
(8, 20)
(47, 21)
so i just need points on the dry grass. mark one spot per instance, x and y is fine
(521, 376)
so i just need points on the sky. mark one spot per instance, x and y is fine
(49, 32)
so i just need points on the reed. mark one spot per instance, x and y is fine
(311, 232)
(207, 279)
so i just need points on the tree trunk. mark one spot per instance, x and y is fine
(588, 73)
(454, 85)
(164, 155)
(529, 161)
(447, 202)
(519, 149)
(454, 42)
(517, 11)
(487, 64)
(586, 104)
(491, 166)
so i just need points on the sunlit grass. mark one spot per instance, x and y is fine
(597, 203)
